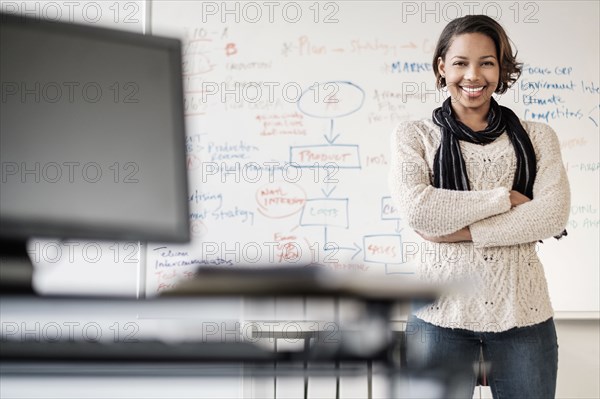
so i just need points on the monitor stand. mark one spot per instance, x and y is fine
(16, 269)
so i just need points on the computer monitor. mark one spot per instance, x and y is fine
(92, 138)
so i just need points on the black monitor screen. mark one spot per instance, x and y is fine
(92, 135)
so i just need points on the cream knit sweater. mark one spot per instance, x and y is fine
(509, 288)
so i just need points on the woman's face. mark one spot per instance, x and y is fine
(472, 72)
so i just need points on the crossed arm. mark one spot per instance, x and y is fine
(464, 234)
(490, 217)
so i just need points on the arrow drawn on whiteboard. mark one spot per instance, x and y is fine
(359, 250)
(330, 137)
(592, 119)
(331, 246)
(328, 193)
(398, 228)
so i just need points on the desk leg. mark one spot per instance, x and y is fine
(337, 379)
(306, 349)
(370, 379)
(275, 370)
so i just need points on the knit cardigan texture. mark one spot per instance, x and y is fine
(506, 283)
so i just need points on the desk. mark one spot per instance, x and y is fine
(189, 353)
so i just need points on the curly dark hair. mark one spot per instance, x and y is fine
(510, 69)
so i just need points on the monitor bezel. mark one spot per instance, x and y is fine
(21, 228)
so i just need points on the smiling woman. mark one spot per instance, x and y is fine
(472, 74)
(439, 180)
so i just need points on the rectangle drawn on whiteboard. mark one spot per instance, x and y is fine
(325, 212)
(342, 155)
(389, 211)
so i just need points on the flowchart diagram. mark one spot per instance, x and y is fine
(332, 212)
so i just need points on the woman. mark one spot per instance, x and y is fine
(482, 188)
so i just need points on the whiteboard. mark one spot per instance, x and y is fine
(289, 111)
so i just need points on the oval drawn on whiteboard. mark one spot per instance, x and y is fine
(280, 199)
(331, 99)
(198, 228)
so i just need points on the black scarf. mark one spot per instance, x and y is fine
(449, 166)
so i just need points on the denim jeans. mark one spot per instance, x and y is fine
(521, 362)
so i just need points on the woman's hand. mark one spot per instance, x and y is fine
(461, 235)
(516, 198)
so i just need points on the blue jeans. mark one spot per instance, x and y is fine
(521, 362)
